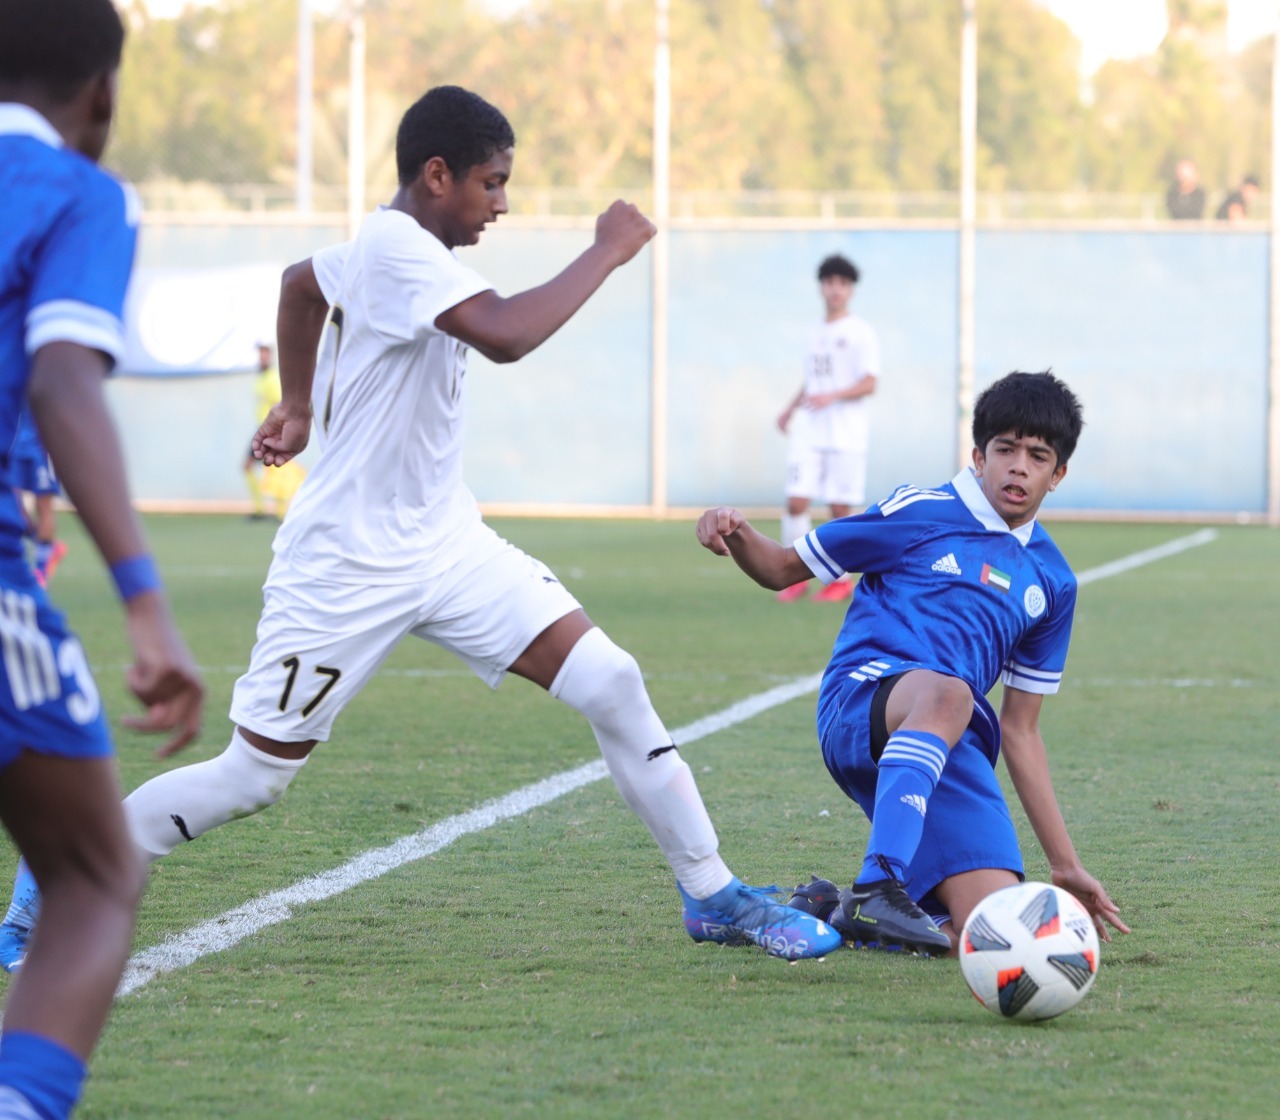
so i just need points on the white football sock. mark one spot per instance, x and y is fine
(188, 802)
(794, 526)
(603, 682)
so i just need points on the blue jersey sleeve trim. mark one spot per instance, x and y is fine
(810, 550)
(67, 320)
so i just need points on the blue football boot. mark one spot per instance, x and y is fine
(743, 915)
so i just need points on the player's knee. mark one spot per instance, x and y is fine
(103, 866)
(606, 679)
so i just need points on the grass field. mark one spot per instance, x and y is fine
(538, 968)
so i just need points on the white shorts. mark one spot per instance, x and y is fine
(320, 642)
(826, 475)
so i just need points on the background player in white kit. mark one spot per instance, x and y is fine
(384, 539)
(828, 421)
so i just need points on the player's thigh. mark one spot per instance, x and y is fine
(493, 604)
(844, 478)
(804, 470)
(319, 643)
(66, 817)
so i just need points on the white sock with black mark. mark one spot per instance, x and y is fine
(188, 802)
(604, 683)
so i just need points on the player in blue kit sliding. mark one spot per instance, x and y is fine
(67, 234)
(961, 588)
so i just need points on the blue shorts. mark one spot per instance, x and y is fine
(34, 474)
(49, 702)
(968, 826)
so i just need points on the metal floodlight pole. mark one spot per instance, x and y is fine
(968, 216)
(355, 122)
(302, 190)
(1273, 295)
(661, 253)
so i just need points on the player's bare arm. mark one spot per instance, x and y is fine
(726, 532)
(1028, 763)
(300, 320)
(505, 329)
(863, 387)
(67, 401)
(784, 417)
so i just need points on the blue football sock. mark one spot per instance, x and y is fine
(24, 908)
(44, 1073)
(910, 767)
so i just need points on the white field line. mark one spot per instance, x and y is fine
(235, 925)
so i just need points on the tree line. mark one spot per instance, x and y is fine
(862, 95)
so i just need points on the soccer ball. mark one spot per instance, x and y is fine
(1029, 951)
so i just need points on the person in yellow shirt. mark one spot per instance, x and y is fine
(280, 483)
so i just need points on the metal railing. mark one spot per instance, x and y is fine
(174, 197)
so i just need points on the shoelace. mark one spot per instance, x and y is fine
(758, 901)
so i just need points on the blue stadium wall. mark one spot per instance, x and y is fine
(1163, 334)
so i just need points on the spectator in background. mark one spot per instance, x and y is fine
(1235, 207)
(827, 420)
(266, 391)
(1186, 196)
(30, 471)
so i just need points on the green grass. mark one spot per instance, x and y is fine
(539, 968)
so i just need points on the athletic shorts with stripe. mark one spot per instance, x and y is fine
(49, 701)
(968, 826)
(320, 641)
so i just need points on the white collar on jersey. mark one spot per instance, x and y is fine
(22, 120)
(970, 491)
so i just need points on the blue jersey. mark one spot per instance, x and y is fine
(948, 586)
(26, 440)
(67, 237)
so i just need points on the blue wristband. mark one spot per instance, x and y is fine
(135, 576)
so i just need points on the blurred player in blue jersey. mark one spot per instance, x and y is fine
(961, 588)
(31, 472)
(67, 234)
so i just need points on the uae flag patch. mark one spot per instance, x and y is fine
(994, 577)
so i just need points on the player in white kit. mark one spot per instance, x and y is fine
(828, 421)
(385, 540)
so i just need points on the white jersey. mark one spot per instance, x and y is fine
(386, 498)
(840, 354)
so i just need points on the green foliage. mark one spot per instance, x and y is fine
(539, 968)
(767, 94)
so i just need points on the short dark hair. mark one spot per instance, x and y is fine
(1029, 404)
(837, 265)
(1249, 181)
(58, 45)
(460, 127)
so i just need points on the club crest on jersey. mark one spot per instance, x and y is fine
(1034, 601)
(994, 577)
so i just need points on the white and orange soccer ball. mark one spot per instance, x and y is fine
(1029, 951)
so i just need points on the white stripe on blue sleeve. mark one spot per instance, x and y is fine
(69, 320)
(813, 554)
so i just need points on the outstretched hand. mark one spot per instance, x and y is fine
(716, 524)
(163, 675)
(1093, 897)
(283, 435)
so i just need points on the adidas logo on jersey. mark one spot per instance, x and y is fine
(947, 564)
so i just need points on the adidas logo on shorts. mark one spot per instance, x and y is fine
(947, 564)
